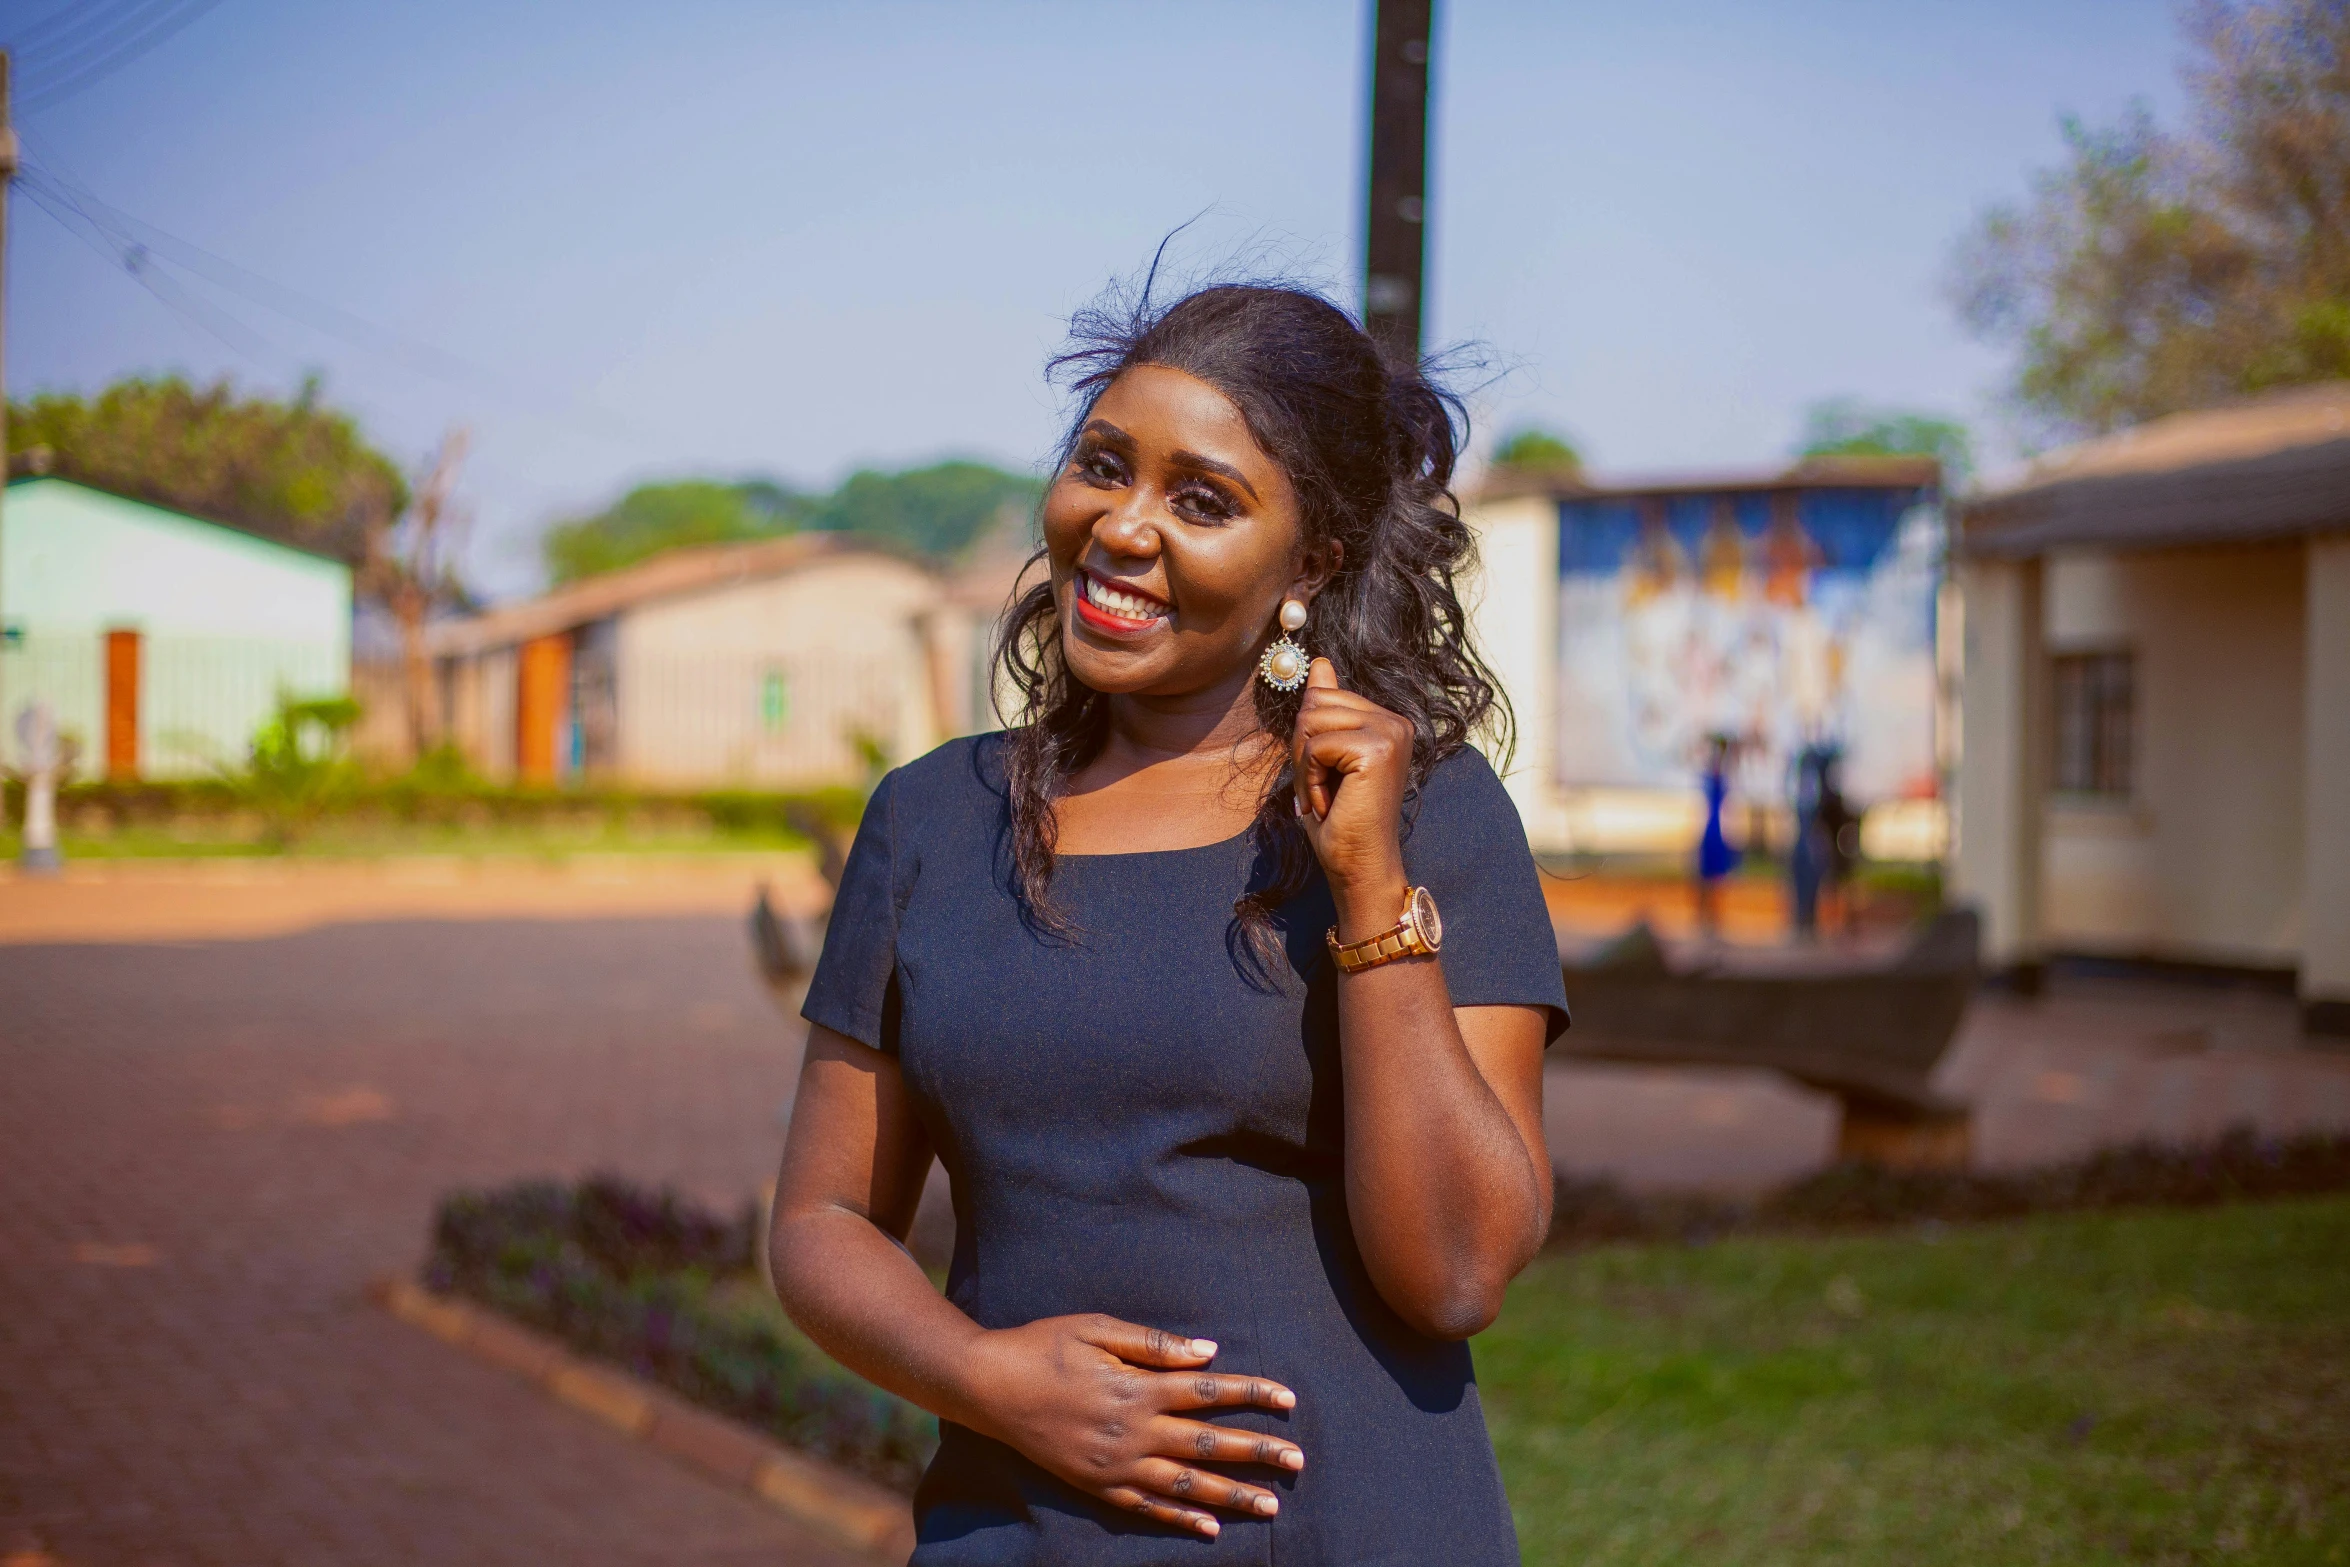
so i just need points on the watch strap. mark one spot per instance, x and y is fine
(1401, 940)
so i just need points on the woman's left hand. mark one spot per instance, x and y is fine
(1353, 759)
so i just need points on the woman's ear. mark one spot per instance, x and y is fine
(1315, 569)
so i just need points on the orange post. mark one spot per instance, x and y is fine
(122, 704)
(542, 696)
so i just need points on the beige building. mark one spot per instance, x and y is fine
(2155, 730)
(779, 663)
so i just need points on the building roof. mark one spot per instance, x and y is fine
(34, 480)
(2268, 467)
(1809, 473)
(695, 569)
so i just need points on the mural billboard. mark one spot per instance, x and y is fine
(1780, 616)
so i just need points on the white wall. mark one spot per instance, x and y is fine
(847, 633)
(1512, 602)
(227, 621)
(2325, 967)
(1995, 862)
(481, 699)
(2205, 860)
(77, 560)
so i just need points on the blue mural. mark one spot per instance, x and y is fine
(1778, 617)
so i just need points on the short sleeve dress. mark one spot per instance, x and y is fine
(1141, 1119)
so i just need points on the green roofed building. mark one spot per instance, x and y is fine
(161, 641)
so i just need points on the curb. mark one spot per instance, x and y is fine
(845, 1507)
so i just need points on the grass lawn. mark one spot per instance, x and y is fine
(2145, 1387)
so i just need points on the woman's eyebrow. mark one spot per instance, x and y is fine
(1210, 465)
(1104, 431)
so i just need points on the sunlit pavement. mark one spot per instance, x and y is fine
(207, 1149)
(2092, 1063)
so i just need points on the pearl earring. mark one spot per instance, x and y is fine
(1285, 664)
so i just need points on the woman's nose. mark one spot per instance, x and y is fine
(1129, 529)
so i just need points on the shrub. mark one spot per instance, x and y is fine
(648, 1281)
(439, 793)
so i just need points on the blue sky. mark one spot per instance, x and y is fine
(621, 242)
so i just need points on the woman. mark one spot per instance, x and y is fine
(1716, 859)
(1243, 1141)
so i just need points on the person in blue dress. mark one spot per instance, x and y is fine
(1716, 859)
(1219, 983)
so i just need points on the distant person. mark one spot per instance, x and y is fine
(1245, 1138)
(1822, 819)
(1716, 859)
(1839, 827)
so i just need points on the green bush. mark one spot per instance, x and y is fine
(297, 765)
(442, 794)
(648, 1281)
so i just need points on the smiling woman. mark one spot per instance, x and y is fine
(1245, 1138)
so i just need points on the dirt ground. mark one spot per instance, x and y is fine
(207, 900)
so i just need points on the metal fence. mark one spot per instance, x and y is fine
(197, 704)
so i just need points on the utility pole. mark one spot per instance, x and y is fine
(7, 175)
(1395, 215)
(36, 729)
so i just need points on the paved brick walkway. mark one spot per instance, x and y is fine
(206, 1150)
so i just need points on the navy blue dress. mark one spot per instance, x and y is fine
(1143, 1121)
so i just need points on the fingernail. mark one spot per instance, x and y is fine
(1208, 1526)
(1285, 1399)
(1205, 1348)
(1293, 1459)
(1267, 1506)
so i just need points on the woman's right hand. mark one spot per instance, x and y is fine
(1090, 1399)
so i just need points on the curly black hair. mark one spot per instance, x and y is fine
(1368, 446)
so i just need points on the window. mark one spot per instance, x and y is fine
(2096, 702)
(774, 702)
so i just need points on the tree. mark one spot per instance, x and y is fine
(294, 471)
(1530, 449)
(655, 517)
(935, 511)
(1846, 427)
(408, 568)
(2155, 272)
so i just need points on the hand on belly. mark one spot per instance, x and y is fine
(1091, 1399)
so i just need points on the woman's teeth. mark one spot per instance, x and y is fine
(1126, 606)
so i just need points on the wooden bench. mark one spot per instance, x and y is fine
(1871, 1035)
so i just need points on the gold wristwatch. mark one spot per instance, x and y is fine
(1420, 931)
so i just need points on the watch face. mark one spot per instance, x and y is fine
(1425, 918)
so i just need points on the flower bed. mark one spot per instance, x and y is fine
(650, 1282)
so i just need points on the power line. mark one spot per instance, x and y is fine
(133, 261)
(251, 286)
(64, 13)
(99, 33)
(170, 26)
(137, 246)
